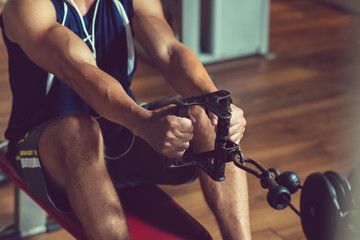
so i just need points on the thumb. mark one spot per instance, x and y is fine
(168, 109)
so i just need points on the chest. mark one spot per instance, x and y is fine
(105, 28)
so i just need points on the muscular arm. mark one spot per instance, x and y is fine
(182, 69)
(32, 24)
(178, 63)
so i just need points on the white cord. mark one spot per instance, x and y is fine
(88, 37)
(93, 25)
(124, 153)
(65, 14)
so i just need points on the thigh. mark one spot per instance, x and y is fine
(49, 151)
(30, 167)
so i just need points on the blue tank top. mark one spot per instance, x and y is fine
(38, 96)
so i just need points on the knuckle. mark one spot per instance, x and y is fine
(242, 125)
(172, 124)
(169, 120)
(169, 136)
(166, 145)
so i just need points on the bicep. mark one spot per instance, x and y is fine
(58, 51)
(32, 25)
(152, 30)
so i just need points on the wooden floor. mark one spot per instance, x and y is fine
(302, 109)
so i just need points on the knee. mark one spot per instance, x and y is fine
(201, 118)
(115, 227)
(68, 142)
(81, 132)
(81, 126)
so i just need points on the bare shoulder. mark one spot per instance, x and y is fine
(27, 18)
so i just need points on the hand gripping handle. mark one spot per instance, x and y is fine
(214, 161)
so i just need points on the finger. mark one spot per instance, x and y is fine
(175, 151)
(237, 126)
(173, 154)
(185, 125)
(213, 118)
(234, 130)
(236, 137)
(191, 117)
(178, 154)
(177, 143)
(169, 109)
(181, 146)
(184, 137)
(237, 119)
(237, 113)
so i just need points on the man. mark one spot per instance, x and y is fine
(71, 64)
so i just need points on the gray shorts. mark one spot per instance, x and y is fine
(130, 161)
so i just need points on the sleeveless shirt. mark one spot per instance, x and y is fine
(38, 96)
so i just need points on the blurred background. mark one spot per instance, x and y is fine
(292, 66)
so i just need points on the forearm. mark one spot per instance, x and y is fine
(178, 63)
(185, 72)
(105, 95)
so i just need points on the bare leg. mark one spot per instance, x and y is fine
(228, 199)
(71, 151)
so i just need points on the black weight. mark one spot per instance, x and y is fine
(290, 180)
(279, 197)
(319, 207)
(342, 188)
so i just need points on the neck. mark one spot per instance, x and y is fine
(83, 5)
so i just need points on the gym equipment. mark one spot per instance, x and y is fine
(328, 204)
(159, 216)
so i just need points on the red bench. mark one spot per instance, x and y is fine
(159, 217)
